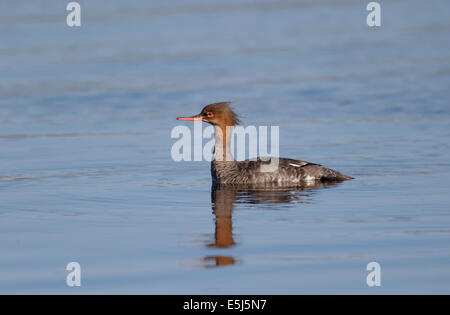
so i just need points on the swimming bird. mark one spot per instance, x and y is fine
(260, 171)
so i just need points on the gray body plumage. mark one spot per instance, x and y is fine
(286, 172)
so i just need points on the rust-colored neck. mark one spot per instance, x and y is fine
(222, 149)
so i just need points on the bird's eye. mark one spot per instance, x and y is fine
(209, 114)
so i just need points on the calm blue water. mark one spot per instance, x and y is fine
(86, 173)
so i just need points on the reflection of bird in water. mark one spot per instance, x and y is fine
(224, 197)
(222, 206)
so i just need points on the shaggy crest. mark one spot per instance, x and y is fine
(220, 112)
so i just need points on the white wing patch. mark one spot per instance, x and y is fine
(298, 164)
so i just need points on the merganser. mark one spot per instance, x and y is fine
(225, 170)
